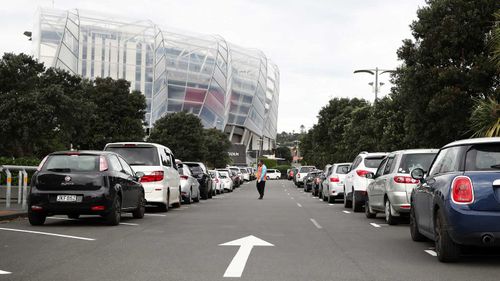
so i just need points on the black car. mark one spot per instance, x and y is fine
(85, 183)
(200, 172)
(309, 181)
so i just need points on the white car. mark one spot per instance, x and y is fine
(273, 174)
(245, 173)
(219, 189)
(161, 180)
(190, 187)
(355, 182)
(227, 182)
(302, 173)
(333, 185)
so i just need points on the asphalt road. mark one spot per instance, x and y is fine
(312, 240)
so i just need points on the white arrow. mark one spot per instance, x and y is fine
(4, 272)
(237, 265)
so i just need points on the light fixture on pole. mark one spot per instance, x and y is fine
(375, 72)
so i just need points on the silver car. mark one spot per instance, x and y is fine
(332, 186)
(190, 187)
(218, 182)
(391, 188)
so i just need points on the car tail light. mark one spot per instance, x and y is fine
(184, 177)
(298, 175)
(334, 179)
(405, 206)
(103, 164)
(462, 190)
(216, 180)
(41, 164)
(97, 208)
(362, 173)
(405, 179)
(154, 176)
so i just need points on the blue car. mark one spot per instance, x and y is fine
(457, 203)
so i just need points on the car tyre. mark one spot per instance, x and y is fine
(331, 199)
(141, 208)
(414, 232)
(187, 199)
(178, 204)
(114, 215)
(347, 203)
(356, 205)
(197, 198)
(446, 249)
(325, 199)
(204, 193)
(165, 207)
(390, 219)
(36, 218)
(370, 214)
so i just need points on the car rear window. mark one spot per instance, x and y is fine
(485, 157)
(342, 169)
(373, 162)
(195, 169)
(306, 169)
(413, 161)
(138, 155)
(72, 163)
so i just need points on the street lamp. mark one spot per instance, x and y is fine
(375, 72)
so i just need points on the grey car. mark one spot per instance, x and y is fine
(391, 188)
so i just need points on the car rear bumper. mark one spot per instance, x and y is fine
(399, 201)
(469, 227)
(49, 205)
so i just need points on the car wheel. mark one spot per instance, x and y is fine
(414, 232)
(325, 199)
(36, 218)
(331, 199)
(178, 203)
(187, 199)
(204, 193)
(446, 249)
(74, 216)
(114, 215)
(390, 219)
(197, 198)
(347, 203)
(141, 208)
(356, 205)
(165, 207)
(209, 194)
(368, 210)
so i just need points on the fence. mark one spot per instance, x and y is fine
(22, 184)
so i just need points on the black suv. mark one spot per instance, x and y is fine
(200, 172)
(85, 183)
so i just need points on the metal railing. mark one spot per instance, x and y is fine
(22, 183)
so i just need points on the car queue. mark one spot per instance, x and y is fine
(450, 196)
(124, 177)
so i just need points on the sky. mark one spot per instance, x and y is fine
(317, 44)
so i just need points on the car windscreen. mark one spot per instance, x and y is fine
(195, 169)
(342, 169)
(484, 157)
(138, 155)
(223, 175)
(306, 169)
(72, 163)
(417, 160)
(373, 162)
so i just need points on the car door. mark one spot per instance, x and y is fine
(129, 187)
(375, 187)
(350, 176)
(386, 178)
(117, 176)
(173, 175)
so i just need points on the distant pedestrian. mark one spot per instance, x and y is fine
(261, 178)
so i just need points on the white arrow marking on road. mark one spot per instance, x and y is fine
(374, 224)
(347, 212)
(237, 265)
(298, 204)
(4, 272)
(431, 252)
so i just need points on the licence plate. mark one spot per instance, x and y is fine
(66, 198)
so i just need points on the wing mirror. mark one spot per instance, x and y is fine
(370, 176)
(418, 174)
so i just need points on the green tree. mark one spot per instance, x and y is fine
(284, 152)
(216, 144)
(485, 118)
(182, 133)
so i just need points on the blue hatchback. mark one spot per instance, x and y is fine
(458, 202)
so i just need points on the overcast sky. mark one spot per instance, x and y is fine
(317, 44)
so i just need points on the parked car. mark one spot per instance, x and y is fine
(355, 182)
(218, 183)
(75, 183)
(190, 187)
(245, 174)
(161, 180)
(309, 180)
(301, 173)
(390, 190)
(200, 172)
(238, 177)
(273, 174)
(457, 202)
(291, 173)
(333, 184)
(225, 176)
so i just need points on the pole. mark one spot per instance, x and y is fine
(9, 186)
(376, 84)
(19, 186)
(25, 189)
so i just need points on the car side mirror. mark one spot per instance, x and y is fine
(370, 176)
(418, 174)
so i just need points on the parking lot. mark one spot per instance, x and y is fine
(313, 240)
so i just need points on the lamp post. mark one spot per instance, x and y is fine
(375, 72)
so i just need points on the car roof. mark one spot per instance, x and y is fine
(416, 151)
(473, 141)
(338, 164)
(117, 144)
(374, 154)
(83, 152)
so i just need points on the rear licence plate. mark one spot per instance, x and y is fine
(66, 198)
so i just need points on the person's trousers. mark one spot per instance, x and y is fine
(260, 188)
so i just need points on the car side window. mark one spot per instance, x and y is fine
(126, 167)
(381, 168)
(389, 165)
(356, 163)
(165, 158)
(446, 161)
(114, 163)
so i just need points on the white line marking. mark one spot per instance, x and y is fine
(288, 193)
(47, 233)
(316, 223)
(68, 219)
(127, 223)
(4, 272)
(298, 204)
(347, 212)
(431, 252)
(320, 199)
(155, 215)
(331, 204)
(291, 198)
(374, 224)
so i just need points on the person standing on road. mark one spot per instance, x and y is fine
(261, 178)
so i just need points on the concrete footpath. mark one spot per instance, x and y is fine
(15, 211)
